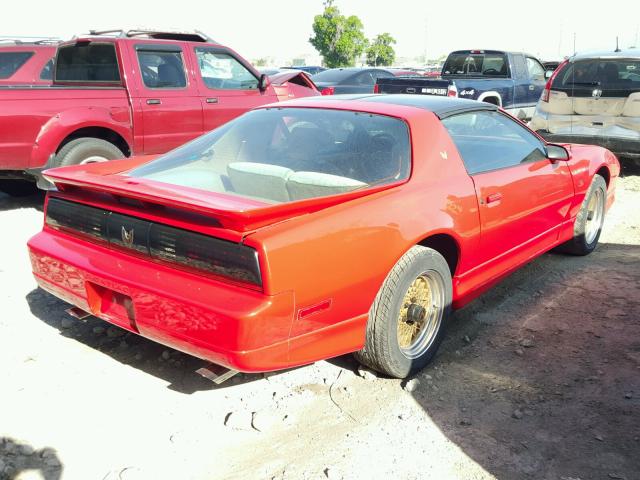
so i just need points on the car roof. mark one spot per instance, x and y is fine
(442, 107)
(596, 54)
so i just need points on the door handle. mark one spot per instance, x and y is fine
(532, 87)
(212, 100)
(153, 101)
(494, 198)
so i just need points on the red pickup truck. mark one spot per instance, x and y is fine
(118, 93)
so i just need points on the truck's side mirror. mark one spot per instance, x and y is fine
(263, 83)
(556, 152)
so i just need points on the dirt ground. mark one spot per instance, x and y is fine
(538, 379)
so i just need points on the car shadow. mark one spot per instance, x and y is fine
(14, 203)
(538, 378)
(172, 366)
(18, 458)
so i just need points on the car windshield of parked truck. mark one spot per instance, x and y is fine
(477, 64)
(613, 74)
(87, 62)
(10, 62)
(285, 154)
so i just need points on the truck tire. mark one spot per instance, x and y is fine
(18, 188)
(86, 150)
(408, 316)
(588, 225)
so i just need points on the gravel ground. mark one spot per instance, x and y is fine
(538, 379)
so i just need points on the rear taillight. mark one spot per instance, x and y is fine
(328, 91)
(547, 88)
(233, 261)
(376, 88)
(452, 90)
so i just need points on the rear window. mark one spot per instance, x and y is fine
(10, 62)
(285, 154)
(477, 64)
(87, 62)
(608, 74)
(336, 75)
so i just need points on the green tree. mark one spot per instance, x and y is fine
(380, 51)
(339, 39)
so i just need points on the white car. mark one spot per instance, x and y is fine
(594, 98)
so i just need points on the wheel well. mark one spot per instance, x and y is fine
(604, 173)
(492, 100)
(446, 246)
(101, 133)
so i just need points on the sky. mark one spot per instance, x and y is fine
(281, 29)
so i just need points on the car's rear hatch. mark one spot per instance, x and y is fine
(596, 97)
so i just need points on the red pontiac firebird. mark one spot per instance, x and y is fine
(318, 227)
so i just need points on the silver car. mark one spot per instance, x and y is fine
(594, 98)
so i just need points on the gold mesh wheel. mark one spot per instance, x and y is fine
(420, 314)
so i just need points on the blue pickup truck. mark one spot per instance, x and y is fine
(511, 80)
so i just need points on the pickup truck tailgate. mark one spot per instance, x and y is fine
(416, 85)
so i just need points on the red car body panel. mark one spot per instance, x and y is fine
(36, 122)
(323, 260)
(30, 72)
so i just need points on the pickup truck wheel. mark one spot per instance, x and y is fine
(588, 225)
(18, 188)
(86, 150)
(408, 316)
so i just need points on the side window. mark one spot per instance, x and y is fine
(536, 71)
(47, 71)
(220, 70)
(490, 140)
(10, 62)
(162, 69)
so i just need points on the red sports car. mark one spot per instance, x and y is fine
(318, 227)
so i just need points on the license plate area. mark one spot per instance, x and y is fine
(111, 305)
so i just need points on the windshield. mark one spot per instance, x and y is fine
(285, 154)
(476, 64)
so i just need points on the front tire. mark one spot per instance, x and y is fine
(86, 150)
(408, 316)
(589, 221)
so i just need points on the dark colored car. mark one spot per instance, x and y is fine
(349, 80)
(311, 70)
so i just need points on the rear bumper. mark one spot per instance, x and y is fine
(227, 325)
(620, 146)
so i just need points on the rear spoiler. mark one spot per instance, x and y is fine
(234, 212)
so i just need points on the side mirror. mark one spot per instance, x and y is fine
(547, 74)
(556, 152)
(264, 82)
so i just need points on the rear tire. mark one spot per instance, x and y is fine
(18, 188)
(589, 221)
(86, 150)
(408, 316)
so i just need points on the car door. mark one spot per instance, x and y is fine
(167, 97)
(537, 82)
(228, 86)
(523, 197)
(520, 81)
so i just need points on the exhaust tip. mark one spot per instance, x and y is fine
(78, 313)
(216, 373)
